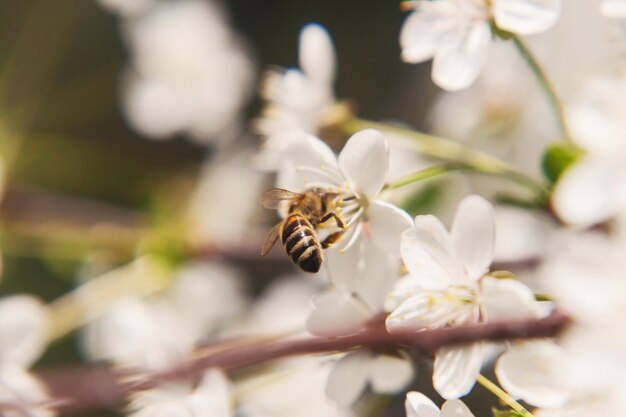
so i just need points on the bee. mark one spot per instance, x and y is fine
(298, 231)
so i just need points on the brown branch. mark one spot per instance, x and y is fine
(78, 385)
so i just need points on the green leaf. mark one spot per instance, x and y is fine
(425, 200)
(557, 158)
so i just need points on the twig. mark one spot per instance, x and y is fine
(72, 385)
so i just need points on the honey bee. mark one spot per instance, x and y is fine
(298, 231)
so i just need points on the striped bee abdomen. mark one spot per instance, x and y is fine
(301, 243)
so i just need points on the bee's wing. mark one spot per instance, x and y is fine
(271, 198)
(271, 239)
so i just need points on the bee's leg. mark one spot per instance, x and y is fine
(331, 239)
(333, 215)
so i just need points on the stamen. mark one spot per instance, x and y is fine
(353, 238)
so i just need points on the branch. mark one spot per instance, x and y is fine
(78, 385)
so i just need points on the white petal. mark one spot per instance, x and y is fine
(422, 31)
(387, 223)
(348, 378)
(213, 395)
(23, 325)
(585, 194)
(473, 235)
(377, 273)
(614, 8)
(336, 314)
(461, 57)
(343, 266)
(527, 371)
(427, 253)
(304, 152)
(419, 405)
(390, 374)
(455, 370)
(317, 55)
(526, 17)
(364, 160)
(455, 408)
(507, 299)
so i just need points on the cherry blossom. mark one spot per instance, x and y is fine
(358, 175)
(593, 189)
(298, 99)
(360, 280)
(449, 284)
(23, 326)
(457, 33)
(212, 397)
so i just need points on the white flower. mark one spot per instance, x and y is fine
(298, 99)
(156, 333)
(613, 8)
(189, 72)
(351, 374)
(360, 280)
(23, 331)
(457, 33)
(419, 405)
(212, 398)
(594, 188)
(291, 387)
(449, 285)
(225, 199)
(357, 175)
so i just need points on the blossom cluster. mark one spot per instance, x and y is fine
(511, 210)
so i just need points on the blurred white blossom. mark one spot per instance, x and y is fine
(190, 73)
(211, 398)
(159, 331)
(614, 8)
(23, 337)
(594, 188)
(449, 284)
(297, 99)
(419, 405)
(225, 199)
(457, 33)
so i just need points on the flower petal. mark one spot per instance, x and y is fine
(526, 17)
(364, 160)
(387, 223)
(455, 408)
(461, 56)
(308, 160)
(455, 370)
(422, 32)
(507, 299)
(426, 251)
(377, 273)
(23, 325)
(614, 8)
(348, 378)
(419, 405)
(317, 54)
(588, 192)
(473, 235)
(343, 266)
(527, 371)
(390, 374)
(336, 314)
